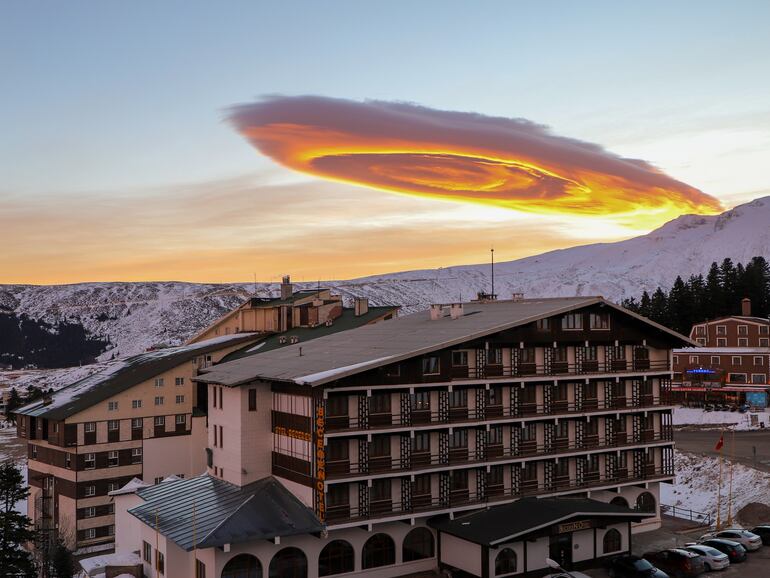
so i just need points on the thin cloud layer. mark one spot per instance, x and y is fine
(465, 157)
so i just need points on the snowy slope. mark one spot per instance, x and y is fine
(136, 316)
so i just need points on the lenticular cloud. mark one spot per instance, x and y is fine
(465, 157)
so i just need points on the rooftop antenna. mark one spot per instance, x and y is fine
(255, 284)
(492, 252)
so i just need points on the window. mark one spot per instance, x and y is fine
(89, 533)
(180, 399)
(337, 557)
(495, 356)
(214, 396)
(421, 401)
(181, 419)
(136, 455)
(221, 437)
(430, 365)
(113, 425)
(743, 330)
(527, 355)
(146, 552)
(721, 342)
(611, 542)
(459, 359)
(421, 442)
(495, 396)
(33, 451)
(158, 400)
(645, 502)
(288, 563)
(381, 490)
(90, 491)
(136, 403)
(701, 341)
(743, 342)
(56, 428)
(560, 355)
(495, 476)
(337, 405)
(379, 550)
(221, 404)
(160, 420)
(700, 330)
(562, 469)
(200, 569)
(505, 562)
(736, 360)
(495, 436)
(758, 360)
(158, 382)
(693, 359)
(393, 370)
(89, 512)
(418, 545)
(721, 329)
(68, 461)
(458, 480)
(715, 360)
(572, 321)
(112, 459)
(339, 495)
(113, 486)
(112, 406)
(380, 446)
(379, 403)
(529, 432)
(543, 324)
(252, 400)
(242, 566)
(599, 320)
(562, 430)
(159, 479)
(160, 562)
(458, 398)
(758, 378)
(89, 461)
(136, 423)
(764, 329)
(179, 381)
(763, 342)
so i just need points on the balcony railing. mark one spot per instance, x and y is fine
(464, 498)
(459, 415)
(586, 367)
(342, 469)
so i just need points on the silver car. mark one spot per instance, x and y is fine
(713, 559)
(748, 540)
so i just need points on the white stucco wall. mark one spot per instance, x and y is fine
(461, 554)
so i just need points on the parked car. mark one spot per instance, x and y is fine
(747, 539)
(633, 567)
(763, 531)
(713, 559)
(677, 562)
(571, 573)
(735, 552)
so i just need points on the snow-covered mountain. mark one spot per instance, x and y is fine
(135, 316)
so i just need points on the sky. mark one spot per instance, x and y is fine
(203, 141)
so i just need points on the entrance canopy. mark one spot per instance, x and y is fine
(531, 517)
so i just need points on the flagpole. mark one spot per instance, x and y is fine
(719, 486)
(730, 495)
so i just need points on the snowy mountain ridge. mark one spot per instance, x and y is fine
(135, 316)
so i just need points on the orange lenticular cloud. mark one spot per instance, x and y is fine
(465, 157)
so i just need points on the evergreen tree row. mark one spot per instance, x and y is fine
(700, 298)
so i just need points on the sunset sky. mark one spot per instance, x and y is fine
(203, 141)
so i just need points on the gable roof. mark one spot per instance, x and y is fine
(738, 318)
(336, 356)
(123, 374)
(501, 524)
(206, 512)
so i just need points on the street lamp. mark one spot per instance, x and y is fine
(554, 565)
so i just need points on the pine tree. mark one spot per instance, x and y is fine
(729, 282)
(14, 527)
(659, 307)
(62, 561)
(645, 304)
(14, 403)
(679, 307)
(714, 299)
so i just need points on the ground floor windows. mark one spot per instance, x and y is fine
(612, 541)
(243, 566)
(418, 544)
(645, 502)
(289, 563)
(379, 550)
(505, 562)
(337, 557)
(619, 501)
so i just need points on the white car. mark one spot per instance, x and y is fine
(748, 540)
(713, 559)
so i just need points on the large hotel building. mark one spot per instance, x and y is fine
(480, 437)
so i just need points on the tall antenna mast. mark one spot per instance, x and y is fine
(255, 284)
(492, 251)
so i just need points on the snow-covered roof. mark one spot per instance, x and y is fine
(720, 350)
(130, 488)
(336, 356)
(96, 565)
(123, 374)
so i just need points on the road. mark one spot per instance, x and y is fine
(752, 448)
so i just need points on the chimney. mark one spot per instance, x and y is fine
(746, 307)
(517, 297)
(456, 310)
(436, 312)
(361, 306)
(287, 289)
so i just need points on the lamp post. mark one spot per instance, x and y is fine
(554, 565)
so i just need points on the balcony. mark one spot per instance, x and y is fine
(585, 368)
(465, 415)
(425, 504)
(424, 461)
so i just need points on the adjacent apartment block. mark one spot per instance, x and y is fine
(386, 431)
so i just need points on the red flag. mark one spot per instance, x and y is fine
(720, 443)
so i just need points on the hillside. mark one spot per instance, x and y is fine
(135, 316)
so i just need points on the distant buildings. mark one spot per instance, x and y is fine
(362, 451)
(731, 364)
(144, 417)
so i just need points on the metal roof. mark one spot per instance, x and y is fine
(336, 356)
(206, 512)
(501, 524)
(123, 374)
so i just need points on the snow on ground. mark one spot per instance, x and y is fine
(697, 480)
(14, 449)
(46, 378)
(697, 417)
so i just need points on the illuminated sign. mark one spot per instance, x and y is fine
(320, 462)
(700, 370)
(574, 526)
(292, 433)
